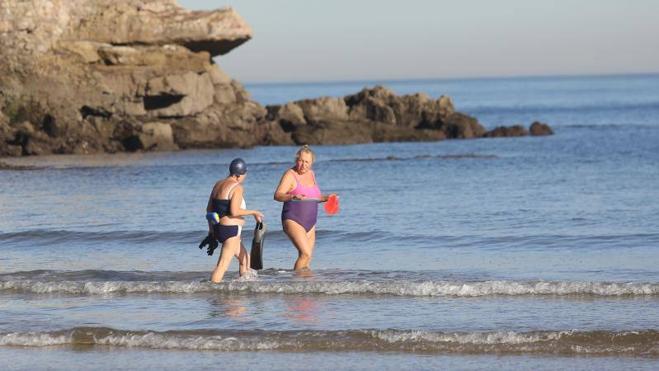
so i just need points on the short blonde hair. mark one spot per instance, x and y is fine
(305, 149)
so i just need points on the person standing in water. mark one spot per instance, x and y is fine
(300, 194)
(225, 211)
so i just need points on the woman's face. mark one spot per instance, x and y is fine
(304, 162)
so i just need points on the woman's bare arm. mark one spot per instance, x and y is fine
(236, 210)
(286, 184)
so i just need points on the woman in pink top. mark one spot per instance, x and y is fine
(300, 194)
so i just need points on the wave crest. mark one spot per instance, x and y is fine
(645, 342)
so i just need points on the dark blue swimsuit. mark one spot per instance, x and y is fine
(223, 208)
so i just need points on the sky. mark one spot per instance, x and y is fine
(342, 40)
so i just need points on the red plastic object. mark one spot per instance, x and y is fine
(332, 205)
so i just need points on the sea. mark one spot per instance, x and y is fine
(501, 253)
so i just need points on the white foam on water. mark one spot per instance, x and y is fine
(644, 342)
(251, 284)
(249, 275)
(480, 338)
(34, 339)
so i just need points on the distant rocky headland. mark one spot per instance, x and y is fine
(91, 76)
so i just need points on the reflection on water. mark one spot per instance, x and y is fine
(233, 307)
(302, 309)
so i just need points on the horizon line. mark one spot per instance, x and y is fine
(420, 79)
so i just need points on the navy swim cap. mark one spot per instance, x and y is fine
(238, 167)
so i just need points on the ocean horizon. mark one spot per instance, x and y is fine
(370, 81)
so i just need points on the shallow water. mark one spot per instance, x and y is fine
(513, 252)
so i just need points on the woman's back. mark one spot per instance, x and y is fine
(222, 196)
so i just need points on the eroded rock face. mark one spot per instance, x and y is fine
(163, 22)
(97, 75)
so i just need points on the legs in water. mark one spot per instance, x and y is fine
(229, 248)
(243, 260)
(304, 243)
(232, 247)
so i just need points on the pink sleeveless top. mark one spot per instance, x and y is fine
(300, 189)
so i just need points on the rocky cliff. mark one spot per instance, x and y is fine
(86, 76)
(112, 75)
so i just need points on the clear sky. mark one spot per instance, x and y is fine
(325, 40)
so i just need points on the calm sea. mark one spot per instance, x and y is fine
(511, 253)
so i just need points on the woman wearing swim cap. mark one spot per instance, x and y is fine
(225, 212)
(300, 194)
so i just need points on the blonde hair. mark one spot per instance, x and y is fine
(305, 149)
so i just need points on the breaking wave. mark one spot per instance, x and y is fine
(272, 282)
(569, 342)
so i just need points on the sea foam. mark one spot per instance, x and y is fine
(566, 342)
(353, 287)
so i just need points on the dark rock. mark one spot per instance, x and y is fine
(271, 133)
(538, 128)
(333, 132)
(462, 126)
(50, 126)
(373, 115)
(507, 131)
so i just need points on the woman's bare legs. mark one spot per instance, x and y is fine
(304, 243)
(230, 248)
(243, 260)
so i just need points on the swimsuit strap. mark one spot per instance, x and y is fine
(297, 180)
(229, 191)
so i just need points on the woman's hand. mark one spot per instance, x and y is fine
(258, 216)
(298, 197)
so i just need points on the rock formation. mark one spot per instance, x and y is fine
(87, 76)
(538, 128)
(507, 131)
(84, 76)
(373, 115)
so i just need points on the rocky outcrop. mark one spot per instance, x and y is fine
(507, 131)
(538, 129)
(88, 76)
(373, 115)
(85, 76)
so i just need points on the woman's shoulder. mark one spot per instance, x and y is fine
(290, 173)
(222, 183)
